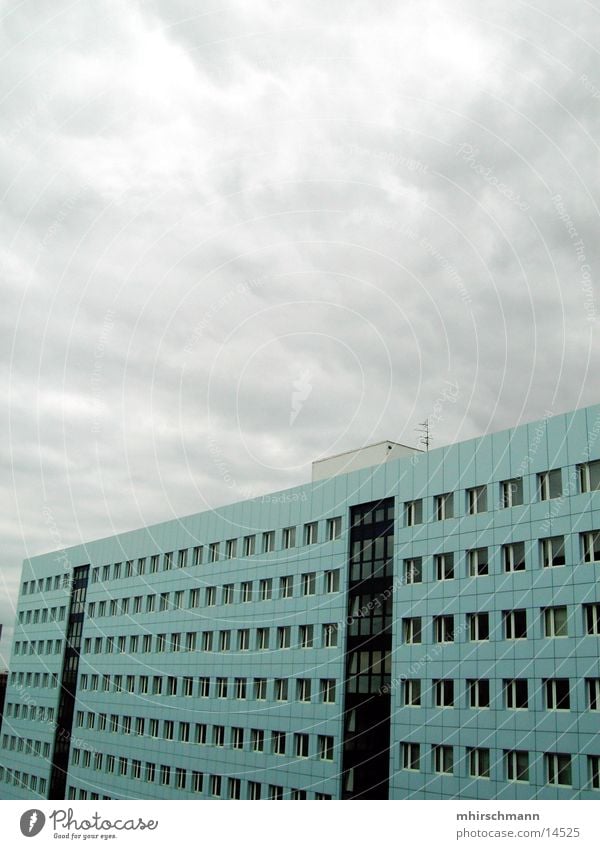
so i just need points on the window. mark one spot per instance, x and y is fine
(311, 533)
(268, 541)
(413, 570)
(411, 628)
(513, 556)
(332, 581)
(184, 732)
(558, 769)
(325, 747)
(552, 551)
(412, 692)
(221, 688)
(201, 733)
(334, 528)
(253, 790)
(275, 792)
(207, 640)
(327, 691)
(590, 546)
(197, 561)
(555, 622)
(260, 689)
(249, 545)
(511, 492)
(479, 626)
(479, 763)
(308, 583)
(215, 785)
(210, 596)
(303, 689)
(224, 640)
(278, 742)
(443, 629)
(262, 639)
(443, 690)
(190, 641)
(284, 637)
(413, 512)
(589, 476)
(557, 694)
(289, 537)
(516, 693)
(234, 788)
(219, 736)
(477, 561)
(227, 594)
(257, 738)
(593, 693)
(594, 771)
(549, 484)
(591, 614)
(246, 592)
(182, 558)
(444, 506)
(330, 636)
(515, 624)
(478, 690)
(265, 589)
(411, 756)
(476, 500)
(281, 689)
(444, 567)
(443, 759)
(230, 548)
(286, 586)
(204, 687)
(301, 745)
(243, 639)
(168, 561)
(213, 552)
(154, 561)
(240, 688)
(197, 781)
(150, 603)
(306, 636)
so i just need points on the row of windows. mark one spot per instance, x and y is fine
(554, 622)
(39, 713)
(38, 647)
(52, 582)
(513, 558)
(195, 556)
(549, 485)
(35, 748)
(42, 614)
(558, 767)
(34, 679)
(247, 591)
(23, 779)
(243, 639)
(442, 692)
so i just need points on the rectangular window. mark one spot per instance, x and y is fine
(477, 561)
(413, 512)
(197, 781)
(237, 738)
(244, 639)
(257, 738)
(249, 545)
(207, 640)
(168, 561)
(413, 570)
(262, 639)
(301, 745)
(593, 693)
(154, 562)
(511, 492)
(306, 636)
(303, 689)
(334, 528)
(443, 629)
(200, 736)
(330, 636)
(268, 541)
(594, 771)
(281, 689)
(240, 688)
(219, 736)
(197, 560)
(215, 785)
(478, 690)
(411, 628)
(210, 596)
(227, 594)
(589, 476)
(412, 692)
(443, 693)
(246, 592)
(278, 742)
(286, 586)
(443, 759)
(182, 556)
(411, 756)
(476, 500)
(444, 506)
(332, 581)
(515, 624)
(230, 549)
(224, 640)
(204, 687)
(552, 551)
(557, 694)
(479, 626)
(591, 618)
(550, 484)
(325, 747)
(307, 582)
(311, 533)
(590, 546)
(327, 690)
(516, 694)
(221, 688)
(265, 589)
(184, 732)
(479, 763)
(513, 556)
(289, 537)
(444, 567)
(254, 790)
(555, 621)
(213, 552)
(558, 769)
(260, 689)
(284, 637)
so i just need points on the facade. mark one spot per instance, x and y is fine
(428, 627)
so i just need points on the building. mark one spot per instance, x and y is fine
(426, 627)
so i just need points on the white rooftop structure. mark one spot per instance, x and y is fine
(360, 458)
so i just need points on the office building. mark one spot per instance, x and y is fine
(409, 625)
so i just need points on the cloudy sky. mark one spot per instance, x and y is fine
(240, 235)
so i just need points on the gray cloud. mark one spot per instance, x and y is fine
(205, 208)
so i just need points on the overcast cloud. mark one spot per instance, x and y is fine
(237, 236)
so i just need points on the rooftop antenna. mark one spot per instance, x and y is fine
(425, 437)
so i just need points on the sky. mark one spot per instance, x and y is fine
(239, 236)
